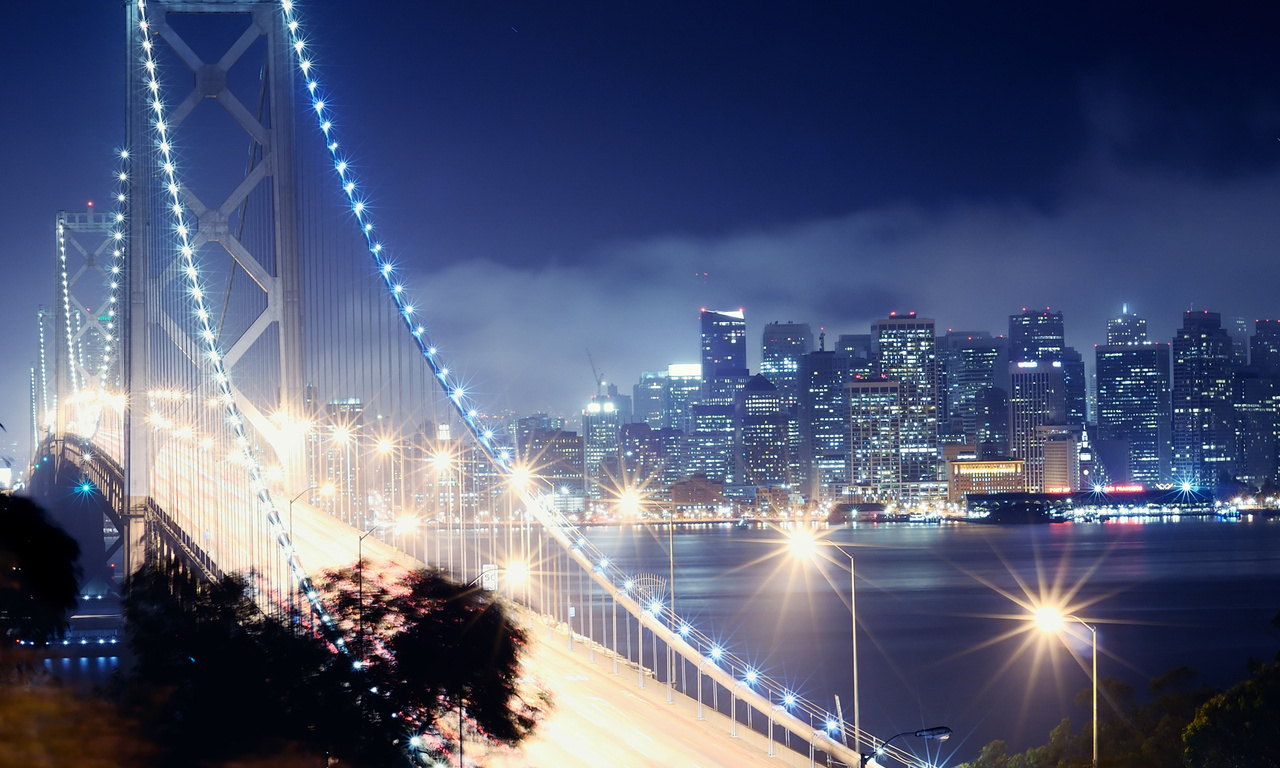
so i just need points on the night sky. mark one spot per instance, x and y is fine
(564, 176)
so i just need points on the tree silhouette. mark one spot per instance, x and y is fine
(38, 573)
(432, 645)
(217, 679)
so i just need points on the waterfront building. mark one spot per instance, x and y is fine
(1134, 405)
(1203, 418)
(1061, 449)
(1036, 399)
(982, 477)
(875, 427)
(907, 353)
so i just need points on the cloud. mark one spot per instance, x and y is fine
(1162, 243)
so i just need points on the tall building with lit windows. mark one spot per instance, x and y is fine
(1134, 404)
(724, 355)
(760, 454)
(1203, 418)
(781, 349)
(822, 413)
(1036, 335)
(1037, 399)
(875, 427)
(907, 353)
(601, 431)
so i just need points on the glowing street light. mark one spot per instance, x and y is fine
(804, 545)
(937, 733)
(1052, 621)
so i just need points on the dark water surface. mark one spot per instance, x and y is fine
(939, 644)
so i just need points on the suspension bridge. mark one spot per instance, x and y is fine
(238, 373)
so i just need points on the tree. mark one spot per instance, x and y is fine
(1240, 727)
(433, 645)
(38, 573)
(217, 679)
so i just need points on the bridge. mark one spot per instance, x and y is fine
(239, 374)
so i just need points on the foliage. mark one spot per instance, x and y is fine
(215, 678)
(38, 573)
(1130, 734)
(433, 645)
(1240, 727)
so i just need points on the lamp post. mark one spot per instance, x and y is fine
(937, 733)
(1052, 620)
(360, 581)
(804, 544)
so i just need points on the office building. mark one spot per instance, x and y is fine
(1126, 329)
(601, 432)
(1134, 406)
(969, 362)
(984, 477)
(1203, 418)
(761, 458)
(875, 428)
(724, 355)
(906, 351)
(1035, 336)
(781, 349)
(824, 437)
(1036, 399)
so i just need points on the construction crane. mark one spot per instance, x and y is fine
(596, 374)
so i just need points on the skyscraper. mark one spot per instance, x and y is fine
(1126, 329)
(907, 354)
(760, 451)
(1264, 348)
(1134, 404)
(782, 347)
(1036, 336)
(601, 432)
(824, 431)
(971, 362)
(1203, 428)
(724, 355)
(652, 399)
(1040, 336)
(875, 455)
(1036, 400)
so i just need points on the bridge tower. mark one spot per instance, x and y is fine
(151, 332)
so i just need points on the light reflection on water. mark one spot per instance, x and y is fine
(1194, 592)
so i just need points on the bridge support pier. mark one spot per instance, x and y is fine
(133, 535)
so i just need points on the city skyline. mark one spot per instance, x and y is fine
(818, 165)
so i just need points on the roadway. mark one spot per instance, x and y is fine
(598, 719)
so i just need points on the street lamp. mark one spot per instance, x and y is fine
(360, 581)
(804, 544)
(937, 733)
(326, 490)
(630, 504)
(1052, 620)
